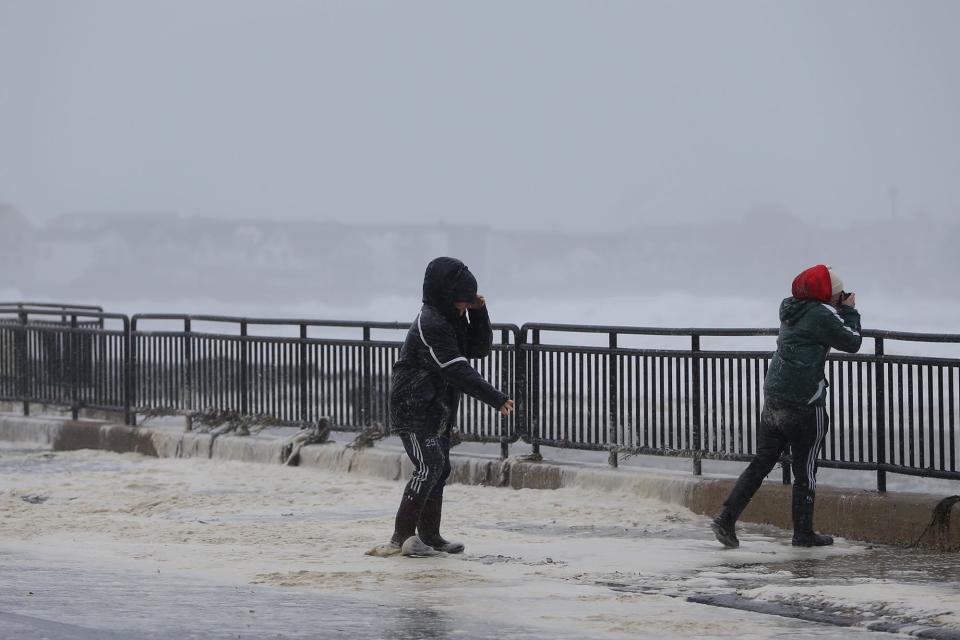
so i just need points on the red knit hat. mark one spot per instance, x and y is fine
(813, 284)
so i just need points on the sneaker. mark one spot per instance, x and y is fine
(415, 548)
(812, 540)
(724, 530)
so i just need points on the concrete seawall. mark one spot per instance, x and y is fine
(892, 518)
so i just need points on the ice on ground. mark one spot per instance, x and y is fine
(917, 604)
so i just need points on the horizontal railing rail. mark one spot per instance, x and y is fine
(62, 306)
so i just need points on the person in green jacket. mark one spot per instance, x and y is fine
(817, 317)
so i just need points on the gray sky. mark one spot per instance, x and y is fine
(530, 114)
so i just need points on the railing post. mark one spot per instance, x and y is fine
(613, 418)
(127, 370)
(521, 392)
(188, 371)
(244, 382)
(23, 361)
(504, 379)
(73, 372)
(366, 380)
(881, 415)
(535, 397)
(696, 406)
(130, 366)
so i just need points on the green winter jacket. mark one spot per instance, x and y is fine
(808, 329)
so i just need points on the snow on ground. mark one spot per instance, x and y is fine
(572, 561)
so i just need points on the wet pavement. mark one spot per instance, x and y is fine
(98, 545)
(893, 564)
(40, 600)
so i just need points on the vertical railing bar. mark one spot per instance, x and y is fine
(716, 443)
(583, 426)
(931, 423)
(697, 406)
(342, 386)
(170, 398)
(613, 416)
(648, 438)
(899, 402)
(910, 420)
(865, 453)
(549, 427)
(724, 425)
(630, 398)
(304, 371)
(943, 443)
(950, 399)
(244, 385)
(73, 368)
(839, 391)
(535, 396)
(661, 392)
(188, 371)
(670, 398)
(921, 435)
(743, 402)
(567, 427)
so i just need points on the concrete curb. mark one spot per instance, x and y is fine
(898, 519)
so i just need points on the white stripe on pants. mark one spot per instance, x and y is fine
(821, 414)
(421, 473)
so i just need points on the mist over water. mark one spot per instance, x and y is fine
(158, 260)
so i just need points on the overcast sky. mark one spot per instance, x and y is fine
(578, 115)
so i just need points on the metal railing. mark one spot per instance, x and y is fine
(64, 356)
(888, 413)
(677, 402)
(294, 377)
(580, 387)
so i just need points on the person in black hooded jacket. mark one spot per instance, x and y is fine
(428, 378)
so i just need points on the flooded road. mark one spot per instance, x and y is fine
(100, 545)
(38, 600)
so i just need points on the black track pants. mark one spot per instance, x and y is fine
(803, 428)
(430, 455)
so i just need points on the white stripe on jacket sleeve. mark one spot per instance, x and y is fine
(842, 323)
(430, 349)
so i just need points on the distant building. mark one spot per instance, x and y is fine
(155, 256)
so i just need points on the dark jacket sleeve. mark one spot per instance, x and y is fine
(841, 329)
(479, 334)
(443, 355)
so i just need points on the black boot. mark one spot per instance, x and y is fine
(803, 534)
(408, 513)
(429, 527)
(724, 528)
(724, 525)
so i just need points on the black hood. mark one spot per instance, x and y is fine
(447, 280)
